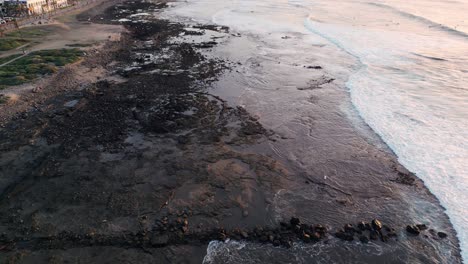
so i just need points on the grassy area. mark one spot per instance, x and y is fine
(36, 64)
(8, 44)
(9, 58)
(23, 36)
(33, 32)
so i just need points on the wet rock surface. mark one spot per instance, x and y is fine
(147, 162)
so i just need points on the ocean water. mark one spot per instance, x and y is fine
(406, 69)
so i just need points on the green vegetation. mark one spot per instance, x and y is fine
(32, 32)
(9, 58)
(24, 36)
(11, 43)
(36, 64)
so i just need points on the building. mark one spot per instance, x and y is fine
(34, 7)
(44, 6)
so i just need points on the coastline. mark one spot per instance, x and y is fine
(160, 149)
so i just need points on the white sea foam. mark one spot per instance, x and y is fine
(232, 251)
(411, 88)
(409, 82)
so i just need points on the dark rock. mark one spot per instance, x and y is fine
(222, 234)
(364, 239)
(363, 225)
(422, 227)
(315, 236)
(183, 140)
(384, 238)
(374, 235)
(349, 228)
(413, 229)
(376, 224)
(244, 234)
(320, 228)
(314, 67)
(304, 227)
(271, 238)
(341, 234)
(405, 178)
(392, 233)
(160, 240)
(442, 234)
(286, 243)
(294, 221)
(245, 213)
(258, 231)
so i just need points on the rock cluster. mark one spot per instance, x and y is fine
(284, 235)
(417, 229)
(365, 232)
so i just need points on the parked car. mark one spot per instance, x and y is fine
(2, 21)
(9, 19)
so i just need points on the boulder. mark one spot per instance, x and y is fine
(316, 236)
(376, 225)
(349, 228)
(413, 229)
(422, 227)
(294, 221)
(374, 235)
(341, 234)
(244, 234)
(442, 234)
(363, 225)
(160, 240)
(364, 239)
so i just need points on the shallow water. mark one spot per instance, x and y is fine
(403, 63)
(411, 87)
(242, 252)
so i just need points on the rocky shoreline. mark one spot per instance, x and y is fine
(145, 161)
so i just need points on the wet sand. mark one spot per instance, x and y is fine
(149, 158)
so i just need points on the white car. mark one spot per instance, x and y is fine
(2, 21)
